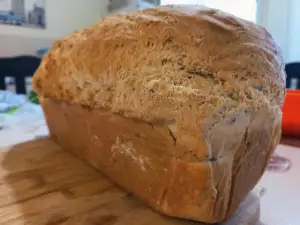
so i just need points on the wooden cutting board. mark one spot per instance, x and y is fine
(44, 185)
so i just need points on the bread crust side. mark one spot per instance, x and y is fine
(142, 158)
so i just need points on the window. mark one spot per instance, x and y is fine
(245, 9)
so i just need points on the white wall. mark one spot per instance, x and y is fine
(62, 18)
(11, 45)
(293, 38)
(131, 6)
(245, 9)
(282, 19)
(273, 15)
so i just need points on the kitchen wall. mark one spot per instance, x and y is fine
(124, 6)
(282, 20)
(293, 38)
(132, 5)
(62, 17)
(280, 17)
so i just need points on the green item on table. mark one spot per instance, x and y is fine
(12, 110)
(33, 97)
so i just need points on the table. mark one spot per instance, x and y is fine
(280, 202)
(41, 184)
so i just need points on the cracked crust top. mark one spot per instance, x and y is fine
(165, 63)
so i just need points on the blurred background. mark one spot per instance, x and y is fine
(61, 17)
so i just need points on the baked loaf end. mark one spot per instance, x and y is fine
(215, 83)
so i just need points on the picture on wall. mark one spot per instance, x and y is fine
(23, 13)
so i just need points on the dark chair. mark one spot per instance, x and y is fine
(18, 68)
(293, 75)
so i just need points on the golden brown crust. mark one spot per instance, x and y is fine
(142, 158)
(211, 84)
(164, 59)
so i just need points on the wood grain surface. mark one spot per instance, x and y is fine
(41, 184)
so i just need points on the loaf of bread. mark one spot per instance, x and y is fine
(179, 105)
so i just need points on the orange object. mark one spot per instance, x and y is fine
(291, 113)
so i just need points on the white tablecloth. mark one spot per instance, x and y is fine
(26, 123)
